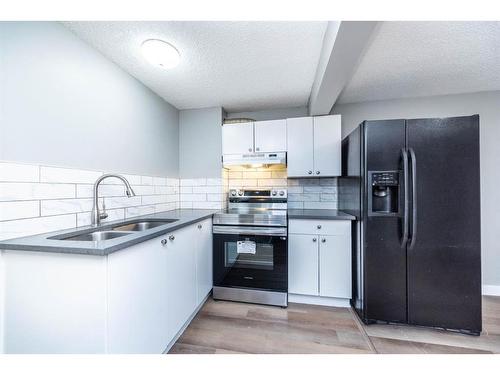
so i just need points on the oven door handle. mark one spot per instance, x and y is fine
(255, 231)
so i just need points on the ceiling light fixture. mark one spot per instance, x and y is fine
(159, 52)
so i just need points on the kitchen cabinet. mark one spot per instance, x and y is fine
(300, 145)
(237, 138)
(314, 146)
(204, 260)
(335, 266)
(250, 137)
(181, 270)
(320, 258)
(303, 263)
(270, 136)
(327, 145)
(137, 299)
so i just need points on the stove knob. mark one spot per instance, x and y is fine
(240, 192)
(233, 193)
(282, 192)
(274, 192)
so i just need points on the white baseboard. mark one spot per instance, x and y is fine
(316, 300)
(491, 290)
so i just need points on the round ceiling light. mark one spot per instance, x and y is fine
(159, 52)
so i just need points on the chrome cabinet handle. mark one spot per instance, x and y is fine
(200, 226)
(323, 240)
(319, 227)
(164, 242)
(315, 239)
(309, 172)
(250, 149)
(171, 237)
(257, 149)
(317, 172)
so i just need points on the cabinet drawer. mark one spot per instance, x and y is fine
(324, 227)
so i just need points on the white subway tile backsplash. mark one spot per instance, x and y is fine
(214, 182)
(19, 210)
(13, 191)
(36, 199)
(137, 211)
(256, 174)
(162, 181)
(206, 189)
(13, 172)
(87, 191)
(28, 227)
(186, 204)
(193, 197)
(119, 202)
(146, 180)
(186, 189)
(215, 197)
(64, 206)
(84, 218)
(67, 175)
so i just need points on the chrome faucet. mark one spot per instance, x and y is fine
(96, 215)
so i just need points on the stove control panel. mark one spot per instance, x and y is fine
(258, 193)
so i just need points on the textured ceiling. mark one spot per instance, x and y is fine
(237, 65)
(412, 59)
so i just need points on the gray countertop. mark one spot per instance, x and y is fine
(319, 214)
(41, 242)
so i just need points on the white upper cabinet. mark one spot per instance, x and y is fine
(314, 146)
(327, 145)
(300, 144)
(270, 136)
(237, 138)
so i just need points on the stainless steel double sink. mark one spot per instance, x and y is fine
(120, 230)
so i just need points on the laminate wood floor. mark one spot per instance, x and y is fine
(231, 327)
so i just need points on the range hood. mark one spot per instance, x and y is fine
(254, 159)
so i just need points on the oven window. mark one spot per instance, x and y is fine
(236, 257)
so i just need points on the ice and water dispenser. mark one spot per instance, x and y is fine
(383, 197)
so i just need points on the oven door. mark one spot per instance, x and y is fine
(250, 257)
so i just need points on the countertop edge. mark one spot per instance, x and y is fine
(6, 245)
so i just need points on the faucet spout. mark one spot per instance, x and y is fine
(96, 215)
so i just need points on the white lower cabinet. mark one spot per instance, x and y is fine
(181, 273)
(303, 263)
(319, 263)
(335, 266)
(135, 300)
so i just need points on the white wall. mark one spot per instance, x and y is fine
(487, 105)
(200, 142)
(62, 103)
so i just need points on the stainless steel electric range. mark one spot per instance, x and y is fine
(250, 252)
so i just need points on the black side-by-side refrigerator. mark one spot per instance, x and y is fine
(414, 187)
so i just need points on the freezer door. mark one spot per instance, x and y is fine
(444, 251)
(384, 256)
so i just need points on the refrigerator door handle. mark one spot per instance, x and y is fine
(413, 236)
(404, 237)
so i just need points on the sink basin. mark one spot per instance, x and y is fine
(143, 225)
(97, 236)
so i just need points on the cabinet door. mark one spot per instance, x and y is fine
(137, 299)
(335, 266)
(299, 133)
(181, 277)
(327, 145)
(237, 138)
(270, 136)
(203, 260)
(303, 264)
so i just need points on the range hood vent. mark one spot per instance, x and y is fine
(254, 159)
